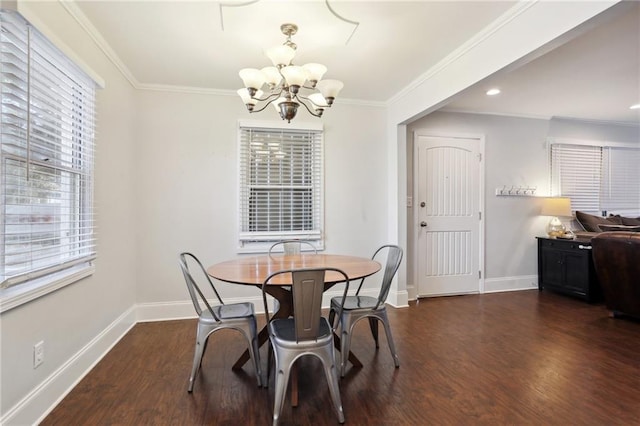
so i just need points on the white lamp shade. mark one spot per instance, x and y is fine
(556, 206)
(244, 95)
(330, 88)
(280, 55)
(252, 78)
(247, 99)
(272, 75)
(314, 71)
(318, 100)
(295, 76)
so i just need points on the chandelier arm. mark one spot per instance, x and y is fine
(300, 98)
(273, 95)
(264, 107)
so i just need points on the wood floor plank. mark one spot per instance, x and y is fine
(518, 358)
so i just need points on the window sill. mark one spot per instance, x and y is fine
(20, 294)
(262, 247)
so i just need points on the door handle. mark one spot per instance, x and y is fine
(423, 224)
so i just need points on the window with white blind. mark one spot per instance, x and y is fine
(599, 177)
(47, 153)
(281, 184)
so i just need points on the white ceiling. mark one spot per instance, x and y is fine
(201, 45)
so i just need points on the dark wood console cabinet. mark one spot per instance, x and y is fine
(566, 266)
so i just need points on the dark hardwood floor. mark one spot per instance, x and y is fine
(519, 358)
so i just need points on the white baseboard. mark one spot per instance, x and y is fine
(167, 311)
(35, 406)
(522, 282)
(496, 285)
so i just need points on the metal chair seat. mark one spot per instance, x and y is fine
(353, 303)
(354, 308)
(235, 310)
(284, 331)
(236, 316)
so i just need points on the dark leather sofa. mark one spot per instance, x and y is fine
(616, 257)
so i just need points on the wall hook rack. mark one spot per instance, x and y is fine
(516, 191)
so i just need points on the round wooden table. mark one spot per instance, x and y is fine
(254, 270)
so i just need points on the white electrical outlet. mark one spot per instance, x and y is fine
(38, 354)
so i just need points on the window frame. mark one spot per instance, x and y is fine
(260, 241)
(60, 149)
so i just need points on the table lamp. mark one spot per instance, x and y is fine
(554, 207)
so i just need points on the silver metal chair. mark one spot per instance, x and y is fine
(291, 247)
(236, 316)
(356, 307)
(307, 333)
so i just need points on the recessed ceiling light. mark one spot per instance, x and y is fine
(636, 106)
(493, 92)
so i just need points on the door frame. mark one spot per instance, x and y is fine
(413, 226)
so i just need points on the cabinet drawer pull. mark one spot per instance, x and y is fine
(581, 247)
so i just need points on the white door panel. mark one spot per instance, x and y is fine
(448, 221)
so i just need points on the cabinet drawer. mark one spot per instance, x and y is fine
(566, 245)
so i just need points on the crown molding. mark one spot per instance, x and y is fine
(231, 93)
(466, 47)
(72, 8)
(501, 114)
(593, 121)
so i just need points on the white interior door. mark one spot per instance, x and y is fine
(448, 214)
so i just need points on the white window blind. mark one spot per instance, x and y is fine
(598, 177)
(575, 173)
(47, 154)
(621, 180)
(281, 184)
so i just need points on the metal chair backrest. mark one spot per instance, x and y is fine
(394, 257)
(307, 288)
(197, 296)
(291, 247)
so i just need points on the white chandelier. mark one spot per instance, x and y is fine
(285, 83)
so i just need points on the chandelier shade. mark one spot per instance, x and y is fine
(287, 86)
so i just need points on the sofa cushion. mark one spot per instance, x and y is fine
(590, 222)
(605, 228)
(630, 221)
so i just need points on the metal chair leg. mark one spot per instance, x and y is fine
(373, 325)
